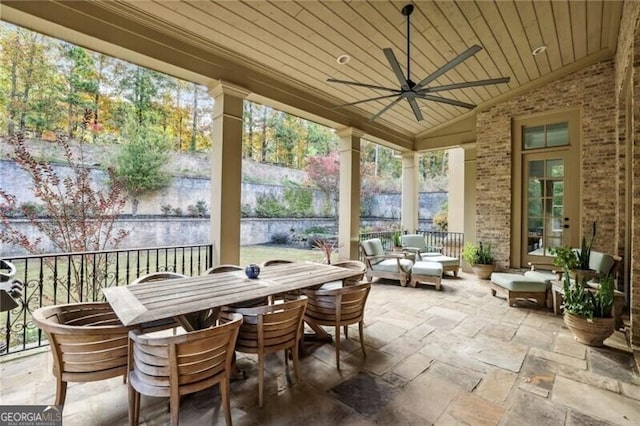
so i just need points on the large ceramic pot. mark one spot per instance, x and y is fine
(483, 271)
(592, 333)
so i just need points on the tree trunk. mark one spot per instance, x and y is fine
(27, 81)
(263, 150)
(194, 127)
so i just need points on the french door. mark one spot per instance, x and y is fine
(546, 190)
(549, 206)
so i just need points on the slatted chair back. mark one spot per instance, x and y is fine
(272, 262)
(178, 365)
(222, 268)
(339, 307)
(269, 329)
(352, 264)
(88, 343)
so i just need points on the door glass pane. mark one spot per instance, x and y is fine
(533, 137)
(558, 134)
(545, 205)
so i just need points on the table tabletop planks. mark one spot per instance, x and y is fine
(156, 300)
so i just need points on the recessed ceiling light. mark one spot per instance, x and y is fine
(538, 50)
(343, 59)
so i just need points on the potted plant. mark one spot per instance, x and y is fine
(481, 259)
(576, 261)
(588, 311)
(396, 240)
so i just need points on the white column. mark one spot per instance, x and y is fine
(349, 206)
(226, 171)
(456, 190)
(410, 201)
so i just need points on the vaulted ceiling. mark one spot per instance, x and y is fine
(285, 51)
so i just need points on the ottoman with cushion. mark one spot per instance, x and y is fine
(448, 263)
(426, 272)
(517, 286)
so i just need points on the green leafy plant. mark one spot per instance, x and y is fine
(478, 254)
(585, 250)
(568, 258)
(565, 257)
(396, 239)
(580, 299)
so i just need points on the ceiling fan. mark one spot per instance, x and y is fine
(412, 91)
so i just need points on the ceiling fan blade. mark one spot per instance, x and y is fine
(445, 100)
(416, 109)
(355, 83)
(385, 109)
(395, 66)
(449, 65)
(365, 100)
(465, 84)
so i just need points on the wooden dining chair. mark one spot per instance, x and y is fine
(179, 365)
(348, 264)
(269, 329)
(246, 304)
(339, 307)
(88, 343)
(272, 262)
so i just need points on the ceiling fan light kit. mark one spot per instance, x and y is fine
(411, 91)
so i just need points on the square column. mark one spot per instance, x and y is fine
(349, 205)
(226, 171)
(456, 190)
(410, 202)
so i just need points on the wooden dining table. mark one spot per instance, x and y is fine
(175, 298)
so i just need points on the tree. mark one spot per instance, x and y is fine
(139, 166)
(324, 172)
(77, 216)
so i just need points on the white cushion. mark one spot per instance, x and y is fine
(432, 269)
(391, 265)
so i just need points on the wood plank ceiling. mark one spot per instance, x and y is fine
(300, 41)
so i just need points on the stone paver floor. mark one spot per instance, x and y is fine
(452, 357)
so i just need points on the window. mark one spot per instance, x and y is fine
(545, 136)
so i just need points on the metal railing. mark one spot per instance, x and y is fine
(449, 243)
(52, 279)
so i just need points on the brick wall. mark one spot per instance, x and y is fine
(635, 188)
(592, 90)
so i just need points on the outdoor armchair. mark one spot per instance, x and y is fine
(88, 343)
(415, 244)
(178, 365)
(394, 266)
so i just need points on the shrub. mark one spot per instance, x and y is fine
(299, 201)
(166, 209)
(198, 210)
(280, 238)
(269, 206)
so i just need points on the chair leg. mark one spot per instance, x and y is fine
(61, 391)
(226, 405)
(346, 331)
(134, 406)
(174, 407)
(361, 330)
(260, 379)
(338, 346)
(294, 351)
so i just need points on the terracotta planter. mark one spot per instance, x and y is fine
(483, 271)
(589, 333)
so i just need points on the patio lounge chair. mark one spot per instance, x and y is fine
(394, 266)
(415, 244)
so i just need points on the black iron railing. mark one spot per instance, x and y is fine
(449, 243)
(52, 279)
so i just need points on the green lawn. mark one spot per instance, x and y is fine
(260, 253)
